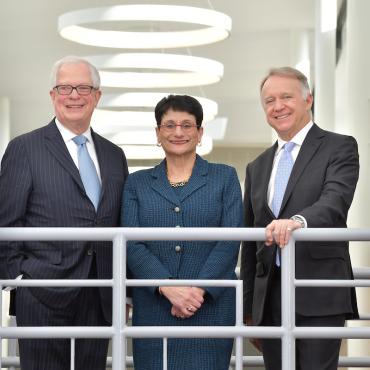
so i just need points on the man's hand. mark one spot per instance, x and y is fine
(280, 231)
(186, 301)
(255, 341)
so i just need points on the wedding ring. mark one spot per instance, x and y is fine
(189, 308)
(289, 229)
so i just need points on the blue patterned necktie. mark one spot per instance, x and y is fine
(283, 171)
(87, 169)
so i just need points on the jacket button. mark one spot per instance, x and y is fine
(90, 252)
(177, 209)
(177, 249)
(178, 226)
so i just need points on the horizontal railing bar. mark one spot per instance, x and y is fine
(135, 233)
(165, 282)
(183, 332)
(173, 233)
(56, 332)
(173, 282)
(358, 272)
(331, 283)
(247, 361)
(109, 283)
(331, 332)
(331, 234)
(204, 331)
(361, 272)
(58, 282)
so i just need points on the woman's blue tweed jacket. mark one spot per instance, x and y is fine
(211, 198)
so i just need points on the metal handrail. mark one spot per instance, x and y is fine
(119, 331)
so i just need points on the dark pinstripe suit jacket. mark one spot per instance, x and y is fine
(40, 186)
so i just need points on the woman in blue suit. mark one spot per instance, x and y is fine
(184, 190)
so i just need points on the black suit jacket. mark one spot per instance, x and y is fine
(40, 186)
(320, 188)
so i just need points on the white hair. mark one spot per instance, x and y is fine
(71, 59)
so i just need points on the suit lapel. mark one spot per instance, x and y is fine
(197, 180)
(265, 174)
(56, 146)
(309, 147)
(161, 185)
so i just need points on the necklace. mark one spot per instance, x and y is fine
(178, 184)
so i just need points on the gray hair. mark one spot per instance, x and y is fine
(71, 59)
(291, 73)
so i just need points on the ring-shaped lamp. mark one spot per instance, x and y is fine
(216, 26)
(148, 100)
(175, 70)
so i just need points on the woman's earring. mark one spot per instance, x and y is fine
(159, 144)
(199, 143)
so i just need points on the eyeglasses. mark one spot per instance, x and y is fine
(185, 126)
(81, 89)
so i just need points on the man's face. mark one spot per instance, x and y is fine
(74, 111)
(286, 110)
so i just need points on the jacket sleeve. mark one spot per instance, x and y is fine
(331, 208)
(15, 189)
(224, 255)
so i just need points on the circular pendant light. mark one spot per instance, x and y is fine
(156, 70)
(148, 100)
(216, 26)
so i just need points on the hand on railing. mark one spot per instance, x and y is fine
(280, 231)
(186, 301)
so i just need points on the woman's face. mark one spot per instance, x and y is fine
(178, 133)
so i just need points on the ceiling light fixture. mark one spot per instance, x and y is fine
(148, 100)
(176, 70)
(155, 152)
(217, 26)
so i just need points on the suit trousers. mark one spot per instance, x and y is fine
(55, 354)
(311, 354)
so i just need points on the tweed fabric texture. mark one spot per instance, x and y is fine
(211, 198)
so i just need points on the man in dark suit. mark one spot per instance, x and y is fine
(49, 179)
(319, 171)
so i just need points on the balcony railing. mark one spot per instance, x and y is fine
(119, 331)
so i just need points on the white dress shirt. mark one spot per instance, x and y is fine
(68, 135)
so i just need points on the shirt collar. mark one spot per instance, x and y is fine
(68, 135)
(298, 138)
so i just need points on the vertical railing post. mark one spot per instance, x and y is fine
(73, 353)
(239, 322)
(288, 305)
(119, 303)
(165, 353)
(1, 324)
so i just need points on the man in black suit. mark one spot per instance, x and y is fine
(318, 193)
(42, 185)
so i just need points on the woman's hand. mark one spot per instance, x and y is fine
(186, 301)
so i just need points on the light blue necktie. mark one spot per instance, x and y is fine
(283, 171)
(88, 173)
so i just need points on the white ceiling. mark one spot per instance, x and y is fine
(261, 38)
